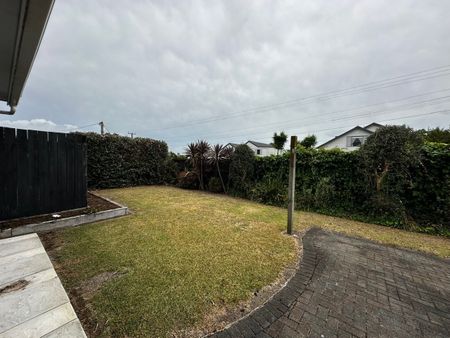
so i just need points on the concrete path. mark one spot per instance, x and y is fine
(33, 302)
(348, 287)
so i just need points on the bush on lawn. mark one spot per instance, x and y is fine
(118, 161)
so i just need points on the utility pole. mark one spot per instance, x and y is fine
(131, 134)
(102, 127)
(291, 189)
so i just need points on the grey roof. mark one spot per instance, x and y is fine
(343, 134)
(234, 145)
(261, 145)
(374, 124)
(22, 25)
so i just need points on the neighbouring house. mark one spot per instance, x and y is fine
(352, 139)
(259, 148)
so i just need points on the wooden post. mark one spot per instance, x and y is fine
(291, 189)
(102, 127)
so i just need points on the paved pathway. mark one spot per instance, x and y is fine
(33, 302)
(349, 287)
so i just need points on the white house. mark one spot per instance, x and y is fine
(260, 149)
(352, 139)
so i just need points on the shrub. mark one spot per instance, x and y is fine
(272, 191)
(214, 185)
(391, 150)
(187, 180)
(324, 194)
(118, 161)
(427, 199)
(242, 167)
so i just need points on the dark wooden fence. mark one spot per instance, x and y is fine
(41, 172)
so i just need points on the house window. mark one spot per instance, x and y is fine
(258, 151)
(357, 141)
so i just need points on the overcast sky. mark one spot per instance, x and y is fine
(230, 71)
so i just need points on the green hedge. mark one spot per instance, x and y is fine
(118, 161)
(333, 182)
(428, 200)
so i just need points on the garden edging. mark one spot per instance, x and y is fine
(66, 222)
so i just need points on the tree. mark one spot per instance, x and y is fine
(436, 135)
(279, 141)
(218, 154)
(203, 148)
(309, 141)
(391, 149)
(242, 167)
(197, 154)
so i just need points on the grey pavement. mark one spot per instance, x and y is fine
(349, 287)
(33, 302)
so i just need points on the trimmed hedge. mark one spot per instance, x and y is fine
(117, 161)
(333, 182)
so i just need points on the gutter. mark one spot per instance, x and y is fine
(11, 111)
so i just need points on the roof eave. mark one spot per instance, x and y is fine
(31, 21)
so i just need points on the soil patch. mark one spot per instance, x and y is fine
(94, 204)
(16, 286)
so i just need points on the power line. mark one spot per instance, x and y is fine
(444, 111)
(384, 110)
(358, 89)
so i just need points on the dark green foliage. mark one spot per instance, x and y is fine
(117, 161)
(242, 167)
(390, 152)
(218, 155)
(309, 141)
(180, 161)
(279, 141)
(437, 135)
(214, 185)
(197, 154)
(188, 180)
(270, 190)
(334, 182)
(428, 199)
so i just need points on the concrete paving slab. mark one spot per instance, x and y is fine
(72, 329)
(13, 247)
(33, 302)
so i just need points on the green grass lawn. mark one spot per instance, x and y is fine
(186, 254)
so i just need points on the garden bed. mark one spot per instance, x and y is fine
(94, 204)
(98, 209)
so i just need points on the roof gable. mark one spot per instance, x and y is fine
(345, 133)
(374, 124)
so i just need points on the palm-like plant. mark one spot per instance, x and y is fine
(203, 149)
(197, 153)
(217, 154)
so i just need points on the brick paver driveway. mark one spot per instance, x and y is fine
(351, 287)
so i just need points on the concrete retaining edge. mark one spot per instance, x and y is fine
(64, 222)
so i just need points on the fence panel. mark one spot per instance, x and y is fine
(41, 172)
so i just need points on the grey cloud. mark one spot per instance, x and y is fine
(144, 66)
